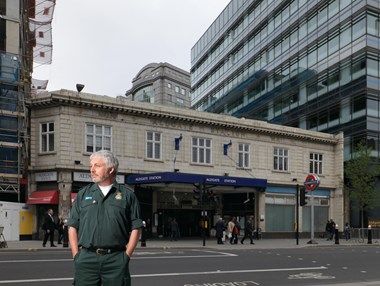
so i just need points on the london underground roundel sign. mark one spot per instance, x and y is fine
(312, 182)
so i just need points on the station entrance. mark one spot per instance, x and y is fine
(167, 196)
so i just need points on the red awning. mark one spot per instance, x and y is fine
(43, 197)
(73, 196)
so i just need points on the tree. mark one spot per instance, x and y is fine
(361, 175)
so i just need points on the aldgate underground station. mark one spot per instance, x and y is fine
(248, 167)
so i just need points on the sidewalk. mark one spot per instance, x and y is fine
(36, 245)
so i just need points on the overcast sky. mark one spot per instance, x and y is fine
(104, 44)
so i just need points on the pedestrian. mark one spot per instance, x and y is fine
(49, 228)
(219, 229)
(104, 227)
(332, 229)
(60, 226)
(248, 230)
(174, 230)
(236, 231)
(347, 231)
(329, 230)
(230, 229)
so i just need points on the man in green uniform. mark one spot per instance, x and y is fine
(104, 226)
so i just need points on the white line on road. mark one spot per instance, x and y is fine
(135, 257)
(35, 260)
(172, 274)
(228, 272)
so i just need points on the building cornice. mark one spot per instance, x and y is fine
(148, 110)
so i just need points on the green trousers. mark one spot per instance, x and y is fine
(93, 269)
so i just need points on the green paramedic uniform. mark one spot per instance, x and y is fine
(104, 224)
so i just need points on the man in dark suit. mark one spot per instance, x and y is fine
(49, 228)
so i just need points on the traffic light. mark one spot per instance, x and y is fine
(197, 194)
(199, 191)
(303, 197)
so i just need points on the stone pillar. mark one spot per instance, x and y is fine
(64, 187)
(154, 211)
(260, 210)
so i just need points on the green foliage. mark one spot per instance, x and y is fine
(361, 175)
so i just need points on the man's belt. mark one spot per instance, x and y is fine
(102, 251)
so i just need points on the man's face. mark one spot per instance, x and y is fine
(99, 172)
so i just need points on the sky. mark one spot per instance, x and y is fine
(104, 44)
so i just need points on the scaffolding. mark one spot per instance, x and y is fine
(17, 85)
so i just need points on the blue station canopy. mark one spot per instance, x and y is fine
(184, 178)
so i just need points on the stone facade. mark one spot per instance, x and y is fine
(161, 83)
(72, 112)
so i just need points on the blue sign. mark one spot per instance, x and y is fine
(173, 177)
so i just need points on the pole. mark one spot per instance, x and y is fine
(312, 217)
(203, 193)
(297, 213)
(369, 234)
(336, 234)
(65, 234)
(312, 241)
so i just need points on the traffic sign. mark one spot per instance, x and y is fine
(312, 182)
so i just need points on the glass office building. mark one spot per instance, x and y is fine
(302, 63)
(308, 64)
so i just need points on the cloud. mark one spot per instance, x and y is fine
(104, 44)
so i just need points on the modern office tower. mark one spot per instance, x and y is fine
(161, 83)
(24, 27)
(302, 63)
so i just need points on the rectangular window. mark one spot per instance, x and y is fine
(316, 165)
(153, 145)
(201, 151)
(243, 155)
(280, 159)
(47, 137)
(98, 137)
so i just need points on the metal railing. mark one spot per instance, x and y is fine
(361, 235)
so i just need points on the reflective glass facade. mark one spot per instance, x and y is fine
(308, 64)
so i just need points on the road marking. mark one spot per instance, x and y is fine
(172, 274)
(213, 255)
(35, 280)
(35, 260)
(310, 276)
(228, 272)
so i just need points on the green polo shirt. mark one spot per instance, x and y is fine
(105, 221)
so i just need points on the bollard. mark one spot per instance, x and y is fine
(336, 234)
(143, 234)
(369, 234)
(65, 234)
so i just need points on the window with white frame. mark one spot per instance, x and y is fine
(316, 163)
(153, 145)
(280, 159)
(243, 155)
(47, 137)
(98, 137)
(201, 150)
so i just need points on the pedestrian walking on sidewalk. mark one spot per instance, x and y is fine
(248, 230)
(219, 229)
(49, 228)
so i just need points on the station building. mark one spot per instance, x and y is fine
(248, 167)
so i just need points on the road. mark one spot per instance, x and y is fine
(330, 265)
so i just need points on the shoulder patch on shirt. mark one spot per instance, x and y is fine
(118, 196)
